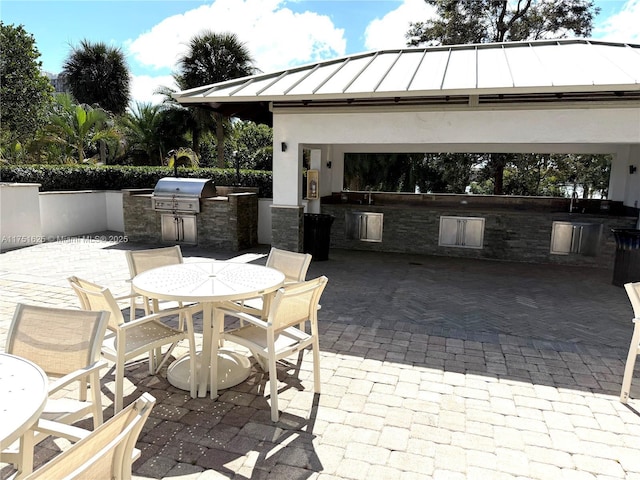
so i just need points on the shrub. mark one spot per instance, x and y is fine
(117, 177)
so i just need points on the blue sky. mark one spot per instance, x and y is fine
(279, 33)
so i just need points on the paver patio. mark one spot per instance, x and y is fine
(432, 367)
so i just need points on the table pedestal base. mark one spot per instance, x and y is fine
(233, 368)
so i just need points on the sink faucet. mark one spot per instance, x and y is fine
(574, 196)
(370, 198)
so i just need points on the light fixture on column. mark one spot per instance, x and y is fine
(283, 145)
(632, 169)
(329, 164)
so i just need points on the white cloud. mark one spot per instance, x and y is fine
(389, 31)
(143, 86)
(623, 26)
(276, 36)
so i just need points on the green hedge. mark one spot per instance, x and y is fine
(116, 177)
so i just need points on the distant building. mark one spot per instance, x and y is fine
(58, 80)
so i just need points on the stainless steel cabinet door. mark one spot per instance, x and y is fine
(466, 232)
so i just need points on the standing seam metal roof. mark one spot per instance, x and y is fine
(567, 65)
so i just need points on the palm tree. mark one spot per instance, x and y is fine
(98, 74)
(78, 129)
(141, 129)
(212, 58)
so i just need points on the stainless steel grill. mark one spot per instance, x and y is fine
(180, 198)
(181, 195)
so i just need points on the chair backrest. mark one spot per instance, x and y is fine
(107, 452)
(294, 265)
(633, 292)
(58, 340)
(142, 260)
(296, 303)
(96, 298)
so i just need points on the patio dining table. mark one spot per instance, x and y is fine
(210, 284)
(23, 395)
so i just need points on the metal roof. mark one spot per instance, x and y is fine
(489, 71)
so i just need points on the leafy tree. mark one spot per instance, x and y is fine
(446, 172)
(212, 58)
(550, 175)
(98, 74)
(481, 21)
(253, 145)
(76, 131)
(391, 172)
(589, 172)
(25, 92)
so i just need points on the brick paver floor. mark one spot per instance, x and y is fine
(431, 367)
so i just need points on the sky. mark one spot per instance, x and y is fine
(279, 33)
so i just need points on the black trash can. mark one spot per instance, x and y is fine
(317, 235)
(626, 267)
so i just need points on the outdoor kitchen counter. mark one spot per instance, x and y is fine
(479, 202)
(513, 228)
(227, 221)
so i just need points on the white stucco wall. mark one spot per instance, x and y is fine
(115, 216)
(575, 129)
(467, 129)
(19, 215)
(73, 213)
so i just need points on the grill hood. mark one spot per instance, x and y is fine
(185, 187)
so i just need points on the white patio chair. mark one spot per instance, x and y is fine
(107, 452)
(279, 336)
(142, 260)
(129, 340)
(294, 266)
(633, 292)
(65, 344)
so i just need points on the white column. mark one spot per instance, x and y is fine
(624, 181)
(287, 172)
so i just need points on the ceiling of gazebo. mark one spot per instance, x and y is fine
(568, 70)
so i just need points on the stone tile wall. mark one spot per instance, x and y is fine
(509, 235)
(287, 227)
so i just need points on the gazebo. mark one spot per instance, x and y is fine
(551, 96)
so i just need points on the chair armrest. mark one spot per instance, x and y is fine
(245, 316)
(63, 430)
(122, 298)
(75, 376)
(163, 313)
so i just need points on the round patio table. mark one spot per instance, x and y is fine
(209, 284)
(23, 395)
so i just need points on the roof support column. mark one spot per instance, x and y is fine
(287, 210)
(624, 181)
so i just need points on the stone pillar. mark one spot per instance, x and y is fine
(287, 227)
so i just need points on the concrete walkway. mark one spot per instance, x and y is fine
(431, 368)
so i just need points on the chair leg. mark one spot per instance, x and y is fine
(152, 361)
(273, 384)
(82, 393)
(315, 349)
(119, 388)
(631, 362)
(96, 400)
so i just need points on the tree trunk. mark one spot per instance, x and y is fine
(219, 140)
(195, 140)
(498, 162)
